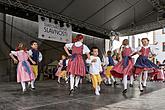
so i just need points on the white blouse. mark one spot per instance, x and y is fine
(78, 44)
(95, 67)
(152, 51)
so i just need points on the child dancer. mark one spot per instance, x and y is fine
(124, 68)
(62, 65)
(24, 70)
(95, 69)
(109, 65)
(36, 55)
(76, 66)
(143, 64)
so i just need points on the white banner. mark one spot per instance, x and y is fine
(51, 31)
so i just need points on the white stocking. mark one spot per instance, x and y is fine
(109, 81)
(145, 78)
(32, 84)
(140, 81)
(77, 81)
(71, 82)
(23, 86)
(113, 78)
(125, 81)
(131, 79)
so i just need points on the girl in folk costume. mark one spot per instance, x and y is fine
(124, 68)
(24, 70)
(109, 65)
(62, 65)
(95, 69)
(76, 66)
(143, 64)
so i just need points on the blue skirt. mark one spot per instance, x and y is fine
(144, 62)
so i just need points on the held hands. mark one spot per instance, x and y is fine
(69, 54)
(139, 53)
(33, 62)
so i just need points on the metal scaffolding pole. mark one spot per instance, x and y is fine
(53, 15)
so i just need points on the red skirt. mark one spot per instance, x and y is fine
(119, 71)
(76, 66)
(159, 76)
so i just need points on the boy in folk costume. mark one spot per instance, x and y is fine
(61, 72)
(76, 66)
(36, 55)
(123, 69)
(24, 70)
(95, 69)
(143, 64)
(109, 63)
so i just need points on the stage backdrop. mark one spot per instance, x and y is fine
(48, 30)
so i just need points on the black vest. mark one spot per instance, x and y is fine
(35, 55)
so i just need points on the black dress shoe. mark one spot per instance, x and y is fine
(71, 92)
(75, 88)
(115, 83)
(143, 85)
(125, 91)
(32, 89)
(109, 84)
(141, 90)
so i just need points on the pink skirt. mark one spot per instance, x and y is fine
(119, 71)
(76, 66)
(24, 72)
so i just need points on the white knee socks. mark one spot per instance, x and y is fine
(77, 81)
(71, 82)
(23, 86)
(125, 81)
(131, 79)
(145, 78)
(32, 84)
(109, 81)
(140, 81)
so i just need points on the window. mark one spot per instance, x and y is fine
(163, 30)
(163, 46)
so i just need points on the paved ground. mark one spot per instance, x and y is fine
(51, 96)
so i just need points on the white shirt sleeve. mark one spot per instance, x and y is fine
(67, 62)
(14, 53)
(69, 46)
(40, 57)
(107, 61)
(100, 65)
(30, 52)
(85, 49)
(153, 51)
(137, 49)
(88, 61)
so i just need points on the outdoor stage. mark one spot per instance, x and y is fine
(51, 96)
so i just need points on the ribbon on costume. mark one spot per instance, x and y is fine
(26, 67)
(126, 60)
